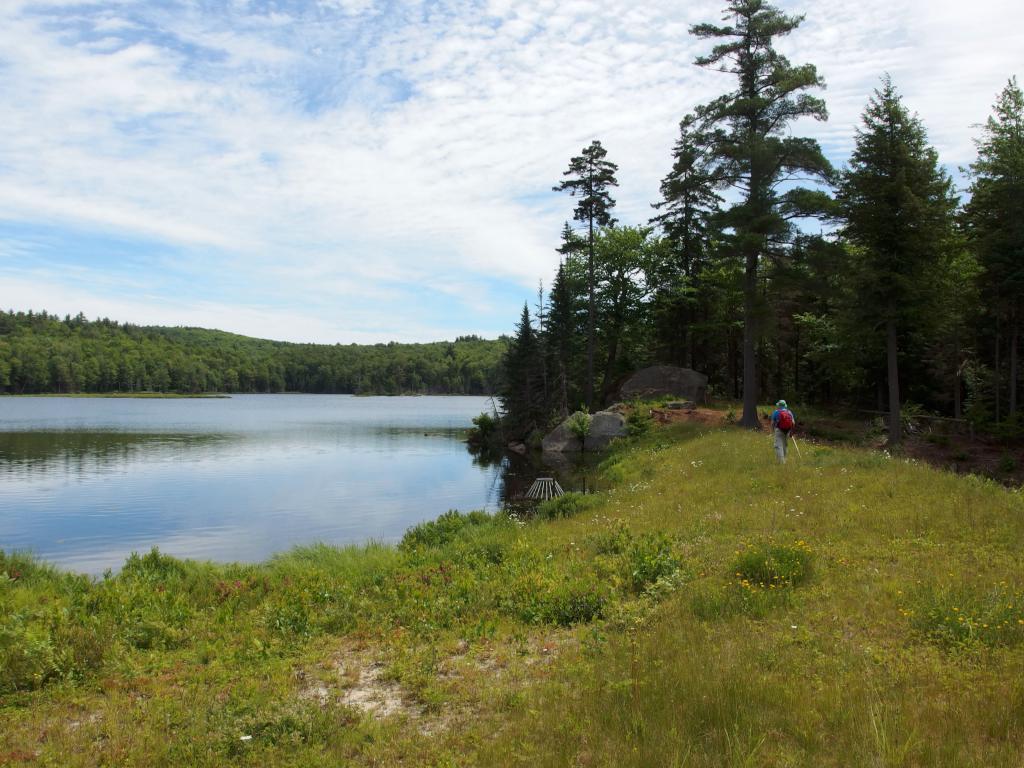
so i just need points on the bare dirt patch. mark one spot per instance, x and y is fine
(682, 415)
(352, 680)
(374, 694)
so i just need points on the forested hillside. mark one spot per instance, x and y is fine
(41, 353)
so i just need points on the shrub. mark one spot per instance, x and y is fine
(484, 428)
(579, 424)
(27, 656)
(574, 604)
(648, 558)
(639, 422)
(437, 533)
(556, 601)
(151, 633)
(613, 540)
(774, 565)
(566, 505)
(288, 620)
(153, 567)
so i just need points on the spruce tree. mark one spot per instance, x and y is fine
(688, 208)
(995, 219)
(898, 207)
(561, 342)
(522, 395)
(589, 177)
(751, 151)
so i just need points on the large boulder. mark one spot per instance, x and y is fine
(665, 381)
(605, 426)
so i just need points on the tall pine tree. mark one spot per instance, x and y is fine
(589, 177)
(752, 152)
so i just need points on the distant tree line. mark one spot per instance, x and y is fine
(41, 353)
(777, 275)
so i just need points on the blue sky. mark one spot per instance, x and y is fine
(362, 170)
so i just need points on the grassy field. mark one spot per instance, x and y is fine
(712, 608)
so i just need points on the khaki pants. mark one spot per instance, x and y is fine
(781, 444)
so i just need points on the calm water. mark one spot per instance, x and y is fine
(84, 482)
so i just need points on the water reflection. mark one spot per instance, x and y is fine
(83, 483)
(517, 472)
(24, 455)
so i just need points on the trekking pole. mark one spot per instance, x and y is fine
(796, 445)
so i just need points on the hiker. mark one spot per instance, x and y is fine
(782, 422)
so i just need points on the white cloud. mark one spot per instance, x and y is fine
(366, 148)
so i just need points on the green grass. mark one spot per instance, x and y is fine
(711, 608)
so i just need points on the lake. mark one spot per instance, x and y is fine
(86, 481)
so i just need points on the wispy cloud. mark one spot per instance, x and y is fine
(318, 155)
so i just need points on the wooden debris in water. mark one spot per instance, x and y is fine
(544, 488)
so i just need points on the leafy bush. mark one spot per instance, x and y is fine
(437, 533)
(566, 505)
(613, 540)
(579, 424)
(648, 558)
(27, 655)
(551, 600)
(153, 567)
(36, 647)
(639, 421)
(484, 428)
(774, 565)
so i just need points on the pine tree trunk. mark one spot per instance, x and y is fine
(1013, 363)
(796, 361)
(750, 382)
(613, 354)
(590, 324)
(998, 375)
(778, 369)
(895, 428)
(957, 404)
(733, 365)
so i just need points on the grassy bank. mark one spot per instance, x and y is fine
(711, 609)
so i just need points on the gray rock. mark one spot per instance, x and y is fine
(665, 381)
(605, 426)
(681, 405)
(560, 440)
